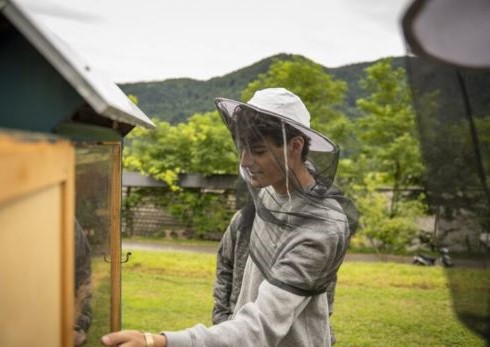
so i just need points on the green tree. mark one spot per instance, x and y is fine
(202, 145)
(386, 131)
(213, 151)
(388, 156)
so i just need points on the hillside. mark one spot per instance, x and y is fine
(175, 100)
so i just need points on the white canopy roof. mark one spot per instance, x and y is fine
(452, 31)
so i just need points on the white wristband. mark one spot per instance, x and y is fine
(150, 342)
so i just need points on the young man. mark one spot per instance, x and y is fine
(298, 238)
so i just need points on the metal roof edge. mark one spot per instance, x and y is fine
(103, 95)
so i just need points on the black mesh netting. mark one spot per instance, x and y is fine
(453, 113)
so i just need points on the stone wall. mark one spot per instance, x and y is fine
(150, 220)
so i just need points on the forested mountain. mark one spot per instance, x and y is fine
(175, 100)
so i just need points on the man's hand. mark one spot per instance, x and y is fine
(131, 338)
(80, 337)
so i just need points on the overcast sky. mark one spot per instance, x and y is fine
(148, 40)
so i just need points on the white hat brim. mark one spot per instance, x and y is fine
(318, 142)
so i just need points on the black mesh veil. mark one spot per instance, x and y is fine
(450, 80)
(307, 218)
(453, 113)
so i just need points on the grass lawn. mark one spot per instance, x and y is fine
(377, 304)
